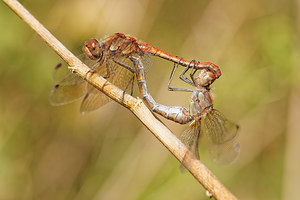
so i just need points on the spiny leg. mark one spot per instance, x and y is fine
(192, 73)
(131, 93)
(124, 91)
(182, 75)
(171, 78)
(98, 64)
(108, 67)
(124, 65)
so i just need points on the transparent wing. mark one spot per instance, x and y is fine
(70, 86)
(221, 136)
(122, 77)
(190, 137)
(93, 99)
(118, 75)
(147, 62)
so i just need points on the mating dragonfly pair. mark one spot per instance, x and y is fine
(120, 58)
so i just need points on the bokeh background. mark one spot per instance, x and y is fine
(57, 153)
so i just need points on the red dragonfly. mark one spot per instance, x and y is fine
(110, 58)
(220, 132)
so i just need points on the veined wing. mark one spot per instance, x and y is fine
(190, 138)
(221, 136)
(69, 88)
(147, 62)
(118, 75)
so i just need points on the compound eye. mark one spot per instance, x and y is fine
(208, 78)
(205, 78)
(92, 49)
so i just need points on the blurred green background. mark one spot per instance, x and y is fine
(57, 153)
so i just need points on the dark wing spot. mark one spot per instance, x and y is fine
(57, 66)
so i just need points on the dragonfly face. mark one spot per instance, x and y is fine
(204, 78)
(92, 49)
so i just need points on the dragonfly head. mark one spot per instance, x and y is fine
(205, 78)
(92, 49)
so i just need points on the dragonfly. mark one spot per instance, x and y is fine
(111, 58)
(221, 133)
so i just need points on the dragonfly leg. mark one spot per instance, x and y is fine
(171, 78)
(124, 65)
(131, 93)
(175, 113)
(124, 91)
(107, 65)
(131, 80)
(172, 74)
(192, 73)
(184, 78)
(109, 68)
(182, 75)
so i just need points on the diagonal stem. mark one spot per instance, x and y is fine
(138, 108)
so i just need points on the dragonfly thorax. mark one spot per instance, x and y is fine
(201, 103)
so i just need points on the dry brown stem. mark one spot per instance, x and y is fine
(138, 108)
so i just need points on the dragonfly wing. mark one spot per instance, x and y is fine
(147, 62)
(93, 99)
(118, 75)
(221, 136)
(122, 76)
(70, 87)
(225, 153)
(190, 138)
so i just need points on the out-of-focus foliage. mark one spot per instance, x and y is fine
(57, 153)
